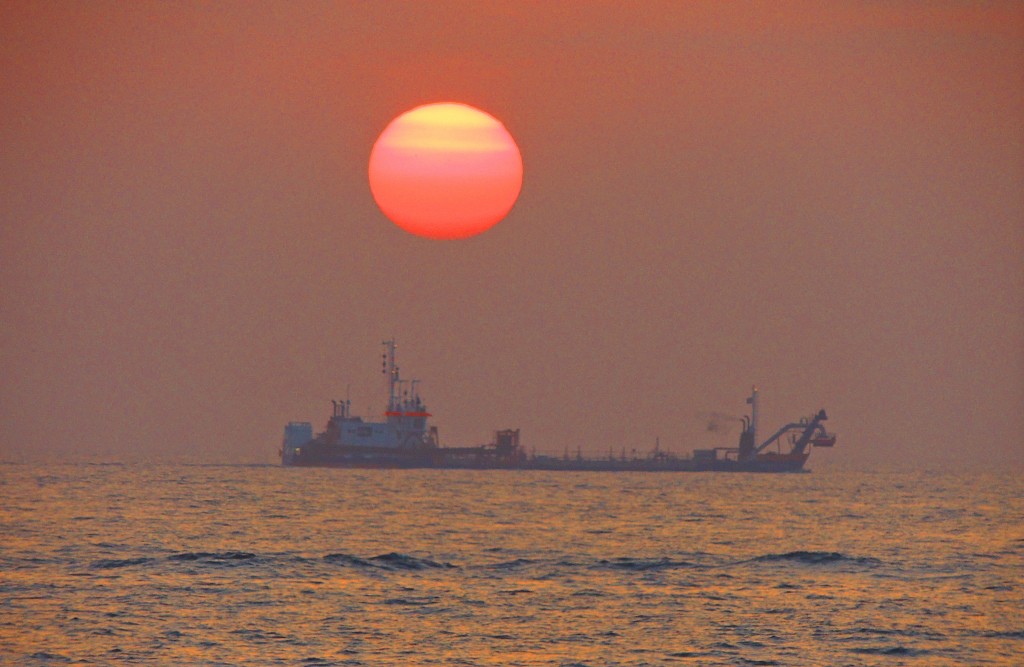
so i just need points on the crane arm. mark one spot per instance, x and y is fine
(809, 429)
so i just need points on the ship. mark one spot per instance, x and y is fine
(404, 438)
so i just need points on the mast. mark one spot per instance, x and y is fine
(752, 401)
(390, 368)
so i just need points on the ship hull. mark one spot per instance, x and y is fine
(357, 458)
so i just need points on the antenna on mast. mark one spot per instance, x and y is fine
(753, 413)
(391, 370)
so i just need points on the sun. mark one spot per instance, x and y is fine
(445, 171)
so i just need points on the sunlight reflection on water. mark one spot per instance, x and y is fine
(267, 565)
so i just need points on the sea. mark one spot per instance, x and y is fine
(264, 565)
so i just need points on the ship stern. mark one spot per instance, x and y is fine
(296, 434)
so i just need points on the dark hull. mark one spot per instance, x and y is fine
(344, 457)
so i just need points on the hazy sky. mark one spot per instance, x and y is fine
(825, 199)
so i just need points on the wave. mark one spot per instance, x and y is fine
(689, 654)
(396, 561)
(208, 557)
(114, 563)
(913, 632)
(1009, 634)
(424, 601)
(50, 657)
(403, 562)
(346, 559)
(214, 557)
(512, 564)
(643, 564)
(815, 558)
(388, 561)
(890, 650)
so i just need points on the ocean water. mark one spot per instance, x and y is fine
(237, 565)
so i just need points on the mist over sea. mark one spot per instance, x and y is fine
(242, 565)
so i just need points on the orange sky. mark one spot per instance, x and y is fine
(827, 200)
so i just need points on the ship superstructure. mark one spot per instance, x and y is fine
(403, 438)
(402, 435)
